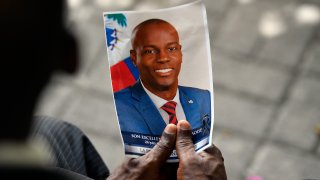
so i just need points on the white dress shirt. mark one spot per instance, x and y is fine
(159, 102)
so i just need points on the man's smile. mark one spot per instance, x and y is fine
(164, 72)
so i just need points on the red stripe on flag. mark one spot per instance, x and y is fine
(121, 76)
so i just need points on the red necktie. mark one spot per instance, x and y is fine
(170, 108)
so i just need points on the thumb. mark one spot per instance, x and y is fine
(184, 142)
(163, 149)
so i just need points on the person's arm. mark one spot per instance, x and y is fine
(208, 164)
(149, 166)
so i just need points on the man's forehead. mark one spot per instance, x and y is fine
(147, 31)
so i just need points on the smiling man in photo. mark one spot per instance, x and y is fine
(156, 99)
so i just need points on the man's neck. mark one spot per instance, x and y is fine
(164, 93)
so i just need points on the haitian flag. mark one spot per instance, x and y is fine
(123, 71)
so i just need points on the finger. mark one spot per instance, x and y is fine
(213, 151)
(162, 150)
(184, 142)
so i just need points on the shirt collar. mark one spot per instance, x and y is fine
(158, 101)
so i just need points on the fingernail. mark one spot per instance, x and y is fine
(184, 125)
(170, 129)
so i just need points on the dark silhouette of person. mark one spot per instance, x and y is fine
(34, 43)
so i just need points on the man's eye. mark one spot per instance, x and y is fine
(170, 49)
(149, 51)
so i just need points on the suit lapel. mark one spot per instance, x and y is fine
(148, 110)
(189, 106)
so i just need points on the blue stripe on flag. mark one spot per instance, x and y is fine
(109, 36)
(133, 69)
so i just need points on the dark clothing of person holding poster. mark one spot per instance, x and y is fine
(70, 148)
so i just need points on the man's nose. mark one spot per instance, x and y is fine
(163, 56)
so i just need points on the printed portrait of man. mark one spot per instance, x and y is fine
(157, 99)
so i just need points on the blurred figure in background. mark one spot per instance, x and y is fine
(34, 43)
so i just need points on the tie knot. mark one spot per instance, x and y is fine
(170, 107)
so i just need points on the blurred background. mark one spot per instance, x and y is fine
(266, 63)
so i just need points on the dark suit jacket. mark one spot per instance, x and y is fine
(72, 150)
(137, 113)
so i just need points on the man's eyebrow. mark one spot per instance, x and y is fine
(173, 43)
(154, 46)
(149, 46)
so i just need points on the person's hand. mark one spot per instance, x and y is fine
(150, 165)
(208, 164)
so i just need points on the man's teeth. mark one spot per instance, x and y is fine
(163, 70)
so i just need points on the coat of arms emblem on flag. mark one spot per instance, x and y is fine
(123, 71)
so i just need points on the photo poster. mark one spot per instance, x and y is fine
(139, 116)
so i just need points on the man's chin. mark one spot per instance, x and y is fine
(165, 86)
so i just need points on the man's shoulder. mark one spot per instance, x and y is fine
(200, 98)
(123, 95)
(193, 90)
(123, 91)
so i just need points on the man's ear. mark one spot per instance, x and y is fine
(133, 57)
